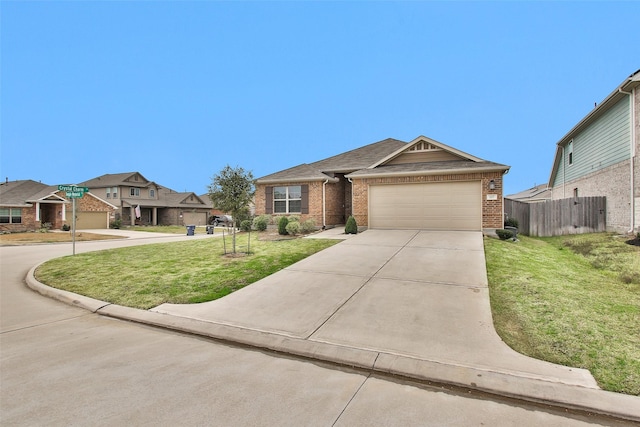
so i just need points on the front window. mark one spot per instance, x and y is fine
(114, 192)
(10, 216)
(135, 192)
(287, 199)
(152, 194)
(108, 192)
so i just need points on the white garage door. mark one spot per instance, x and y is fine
(428, 206)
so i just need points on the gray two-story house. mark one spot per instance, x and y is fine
(599, 157)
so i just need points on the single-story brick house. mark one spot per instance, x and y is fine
(26, 204)
(390, 184)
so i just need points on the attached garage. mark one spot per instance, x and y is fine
(89, 220)
(194, 218)
(426, 206)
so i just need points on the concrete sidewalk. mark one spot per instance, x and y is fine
(407, 303)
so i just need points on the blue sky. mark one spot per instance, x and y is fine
(177, 90)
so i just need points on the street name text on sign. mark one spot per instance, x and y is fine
(72, 191)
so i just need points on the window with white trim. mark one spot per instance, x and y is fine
(287, 199)
(570, 152)
(114, 192)
(152, 193)
(10, 216)
(135, 192)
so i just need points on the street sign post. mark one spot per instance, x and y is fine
(73, 192)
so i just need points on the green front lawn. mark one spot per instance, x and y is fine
(571, 300)
(182, 272)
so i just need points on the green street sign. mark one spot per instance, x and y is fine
(73, 192)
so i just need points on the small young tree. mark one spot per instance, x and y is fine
(231, 191)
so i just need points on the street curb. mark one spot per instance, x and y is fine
(91, 304)
(516, 386)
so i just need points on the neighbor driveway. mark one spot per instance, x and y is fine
(422, 295)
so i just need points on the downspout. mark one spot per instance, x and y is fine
(324, 205)
(564, 175)
(632, 155)
(351, 182)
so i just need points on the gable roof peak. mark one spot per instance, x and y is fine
(113, 179)
(432, 142)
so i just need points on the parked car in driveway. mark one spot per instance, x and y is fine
(225, 220)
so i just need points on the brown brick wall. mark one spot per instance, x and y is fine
(28, 222)
(315, 200)
(50, 213)
(338, 197)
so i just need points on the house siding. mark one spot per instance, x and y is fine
(600, 145)
(602, 165)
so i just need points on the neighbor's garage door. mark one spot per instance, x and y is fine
(429, 206)
(194, 218)
(89, 220)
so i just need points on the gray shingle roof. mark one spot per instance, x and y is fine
(344, 163)
(359, 158)
(114, 180)
(20, 193)
(539, 192)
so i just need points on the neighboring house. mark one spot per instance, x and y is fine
(391, 184)
(538, 193)
(144, 202)
(25, 205)
(599, 157)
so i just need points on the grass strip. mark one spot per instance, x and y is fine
(571, 300)
(182, 272)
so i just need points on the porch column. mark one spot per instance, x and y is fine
(64, 212)
(38, 211)
(132, 214)
(154, 216)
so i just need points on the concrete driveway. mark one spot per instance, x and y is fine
(422, 295)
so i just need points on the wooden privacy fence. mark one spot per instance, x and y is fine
(558, 217)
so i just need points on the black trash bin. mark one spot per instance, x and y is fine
(210, 229)
(191, 230)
